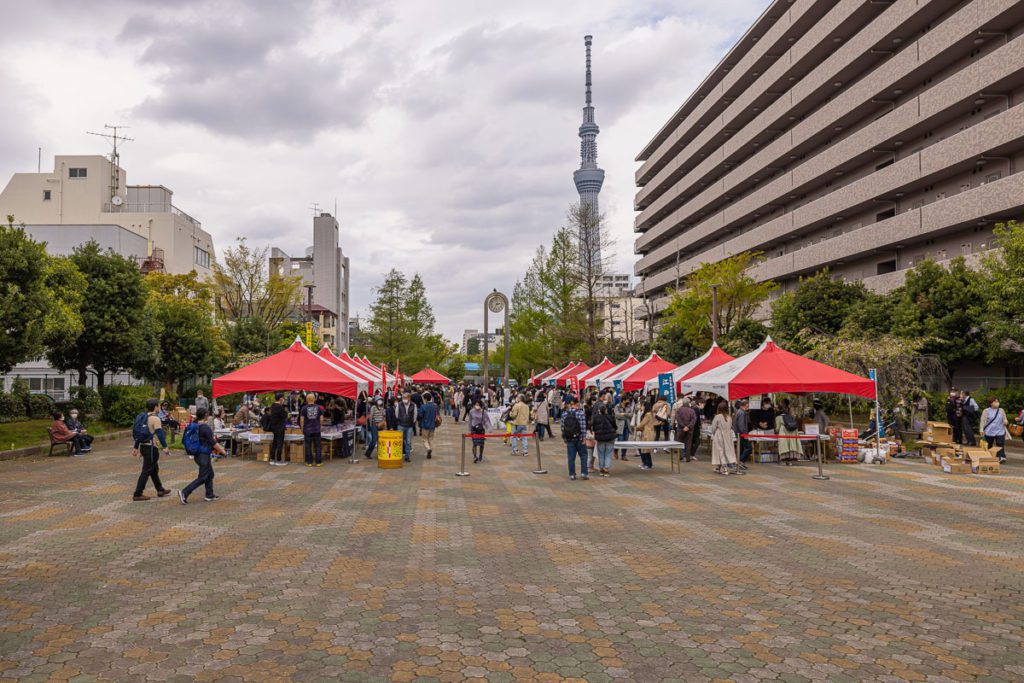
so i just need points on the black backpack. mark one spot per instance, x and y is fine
(571, 427)
(265, 421)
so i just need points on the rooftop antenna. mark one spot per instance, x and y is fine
(115, 160)
(315, 208)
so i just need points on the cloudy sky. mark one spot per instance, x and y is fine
(446, 131)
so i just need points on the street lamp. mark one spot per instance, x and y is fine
(714, 313)
(495, 302)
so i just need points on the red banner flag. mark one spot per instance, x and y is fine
(383, 378)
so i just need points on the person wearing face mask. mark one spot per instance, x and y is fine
(310, 416)
(376, 420)
(993, 428)
(405, 416)
(479, 423)
(75, 425)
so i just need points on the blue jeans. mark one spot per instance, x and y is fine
(624, 436)
(205, 463)
(572, 449)
(371, 439)
(746, 448)
(604, 454)
(407, 442)
(520, 429)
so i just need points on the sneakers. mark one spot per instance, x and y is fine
(319, 464)
(584, 476)
(165, 492)
(309, 464)
(209, 499)
(644, 467)
(182, 498)
(572, 477)
(139, 498)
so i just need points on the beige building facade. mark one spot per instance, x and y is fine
(69, 205)
(860, 136)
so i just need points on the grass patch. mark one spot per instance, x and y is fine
(33, 433)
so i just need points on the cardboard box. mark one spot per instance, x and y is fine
(976, 454)
(938, 431)
(946, 452)
(955, 467)
(986, 467)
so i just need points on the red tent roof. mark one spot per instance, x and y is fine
(605, 377)
(552, 378)
(652, 367)
(601, 367)
(294, 368)
(351, 367)
(537, 378)
(711, 359)
(575, 371)
(429, 376)
(770, 369)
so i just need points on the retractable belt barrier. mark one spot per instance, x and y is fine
(501, 435)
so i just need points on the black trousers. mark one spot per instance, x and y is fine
(277, 446)
(205, 463)
(967, 430)
(313, 443)
(150, 455)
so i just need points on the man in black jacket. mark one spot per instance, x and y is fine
(686, 423)
(278, 424)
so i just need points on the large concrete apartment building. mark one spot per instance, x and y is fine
(325, 266)
(88, 198)
(861, 135)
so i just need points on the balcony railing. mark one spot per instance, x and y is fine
(150, 207)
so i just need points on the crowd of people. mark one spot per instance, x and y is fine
(590, 424)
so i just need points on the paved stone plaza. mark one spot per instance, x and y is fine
(351, 572)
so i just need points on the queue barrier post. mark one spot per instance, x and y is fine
(536, 442)
(462, 467)
(820, 476)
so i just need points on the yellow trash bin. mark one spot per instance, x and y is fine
(389, 449)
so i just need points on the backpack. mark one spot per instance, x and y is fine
(505, 416)
(190, 440)
(265, 421)
(140, 429)
(605, 427)
(571, 427)
(789, 422)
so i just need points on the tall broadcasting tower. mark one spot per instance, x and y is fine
(589, 177)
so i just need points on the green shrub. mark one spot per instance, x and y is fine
(1011, 398)
(87, 400)
(40, 406)
(20, 392)
(122, 403)
(11, 408)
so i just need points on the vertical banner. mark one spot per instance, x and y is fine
(667, 387)
(383, 379)
(309, 334)
(531, 377)
(618, 386)
(574, 385)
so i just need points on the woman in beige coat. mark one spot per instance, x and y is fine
(645, 432)
(789, 449)
(723, 446)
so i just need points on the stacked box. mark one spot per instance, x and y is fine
(952, 466)
(938, 432)
(982, 461)
(847, 445)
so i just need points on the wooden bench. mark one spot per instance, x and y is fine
(53, 444)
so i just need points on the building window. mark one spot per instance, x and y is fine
(886, 267)
(47, 194)
(45, 384)
(885, 215)
(202, 257)
(77, 172)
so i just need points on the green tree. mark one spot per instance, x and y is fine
(893, 357)
(819, 304)
(743, 337)
(739, 296)
(116, 332)
(1003, 311)
(943, 306)
(401, 323)
(247, 289)
(674, 345)
(180, 309)
(40, 297)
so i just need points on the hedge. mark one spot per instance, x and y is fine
(122, 403)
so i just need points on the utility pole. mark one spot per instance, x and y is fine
(714, 313)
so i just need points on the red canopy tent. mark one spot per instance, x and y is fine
(547, 373)
(553, 378)
(604, 366)
(351, 367)
(579, 369)
(714, 357)
(604, 377)
(637, 376)
(294, 368)
(769, 369)
(429, 376)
